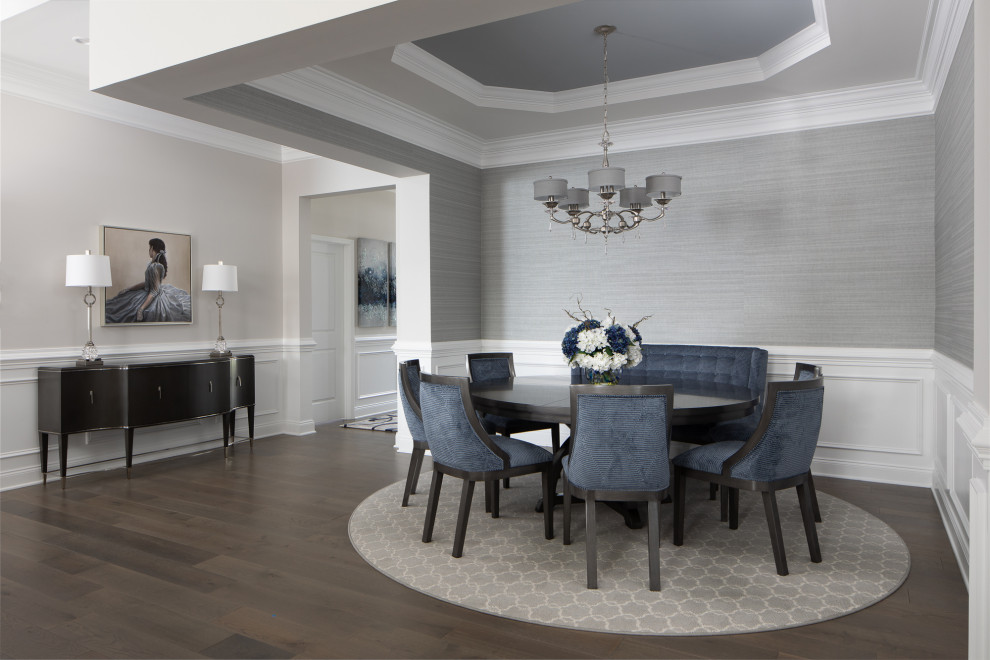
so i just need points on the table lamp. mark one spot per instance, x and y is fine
(88, 270)
(218, 277)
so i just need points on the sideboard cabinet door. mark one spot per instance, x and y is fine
(76, 400)
(241, 381)
(162, 393)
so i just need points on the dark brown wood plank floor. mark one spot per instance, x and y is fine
(248, 557)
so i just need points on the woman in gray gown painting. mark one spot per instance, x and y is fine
(151, 300)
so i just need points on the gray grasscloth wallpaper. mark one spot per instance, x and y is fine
(815, 238)
(954, 207)
(455, 224)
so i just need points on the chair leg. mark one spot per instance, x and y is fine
(712, 489)
(814, 498)
(547, 510)
(467, 491)
(431, 505)
(679, 494)
(808, 517)
(567, 512)
(776, 537)
(723, 506)
(653, 536)
(488, 496)
(415, 461)
(591, 540)
(555, 437)
(495, 498)
(733, 507)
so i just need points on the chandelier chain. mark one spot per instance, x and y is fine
(606, 138)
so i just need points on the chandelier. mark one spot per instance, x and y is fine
(634, 203)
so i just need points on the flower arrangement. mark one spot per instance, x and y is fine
(602, 349)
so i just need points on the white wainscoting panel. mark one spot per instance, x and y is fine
(375, 370)
(104, 450)
(960, 423)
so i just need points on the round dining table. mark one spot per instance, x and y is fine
(547, 399)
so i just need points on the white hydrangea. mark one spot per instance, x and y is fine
(592, 340)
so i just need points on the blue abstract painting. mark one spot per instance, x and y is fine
(391, 284)
(372, 283)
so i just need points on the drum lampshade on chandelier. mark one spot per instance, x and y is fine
(634, 203)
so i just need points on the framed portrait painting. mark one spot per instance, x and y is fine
(151, 273)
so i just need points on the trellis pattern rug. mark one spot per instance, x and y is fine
(720, 581)
(385, 422)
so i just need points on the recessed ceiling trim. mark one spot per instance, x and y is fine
(323, 90)
(800, 46)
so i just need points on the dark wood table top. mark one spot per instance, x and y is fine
(547, 399)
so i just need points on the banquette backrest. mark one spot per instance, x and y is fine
(670, 363)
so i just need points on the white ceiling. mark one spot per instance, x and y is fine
(763, 57)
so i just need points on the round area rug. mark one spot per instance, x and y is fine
(721, 581)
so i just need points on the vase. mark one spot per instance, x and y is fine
(610, 377)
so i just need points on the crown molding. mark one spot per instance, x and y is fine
(792, 50)
(69, 92)
(328, 92)
(946, 27)
(854, 106)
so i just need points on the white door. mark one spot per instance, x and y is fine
(329, 355)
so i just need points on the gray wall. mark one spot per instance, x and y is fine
(66, 173)
(817, 238)
(455, 197)
(954, 207)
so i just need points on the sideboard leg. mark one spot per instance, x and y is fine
(250, 415)
(129, 448)
(63, 451)
(226, 432)
(43, 438)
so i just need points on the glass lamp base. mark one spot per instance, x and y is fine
(220, 349)
(90, 356)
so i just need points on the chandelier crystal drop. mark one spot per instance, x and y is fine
(633, 204)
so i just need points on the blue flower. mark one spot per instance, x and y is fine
(635, 330)
(569, 344)
(618, 341)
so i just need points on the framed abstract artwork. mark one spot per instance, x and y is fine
(372, 283)
(391, 285)
(151, 273)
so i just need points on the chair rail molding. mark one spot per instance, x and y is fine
(103, 450)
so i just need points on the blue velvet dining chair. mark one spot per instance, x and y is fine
(462, 448)
(409, 397)
(777, 456)
(620, 436)
(489, 367)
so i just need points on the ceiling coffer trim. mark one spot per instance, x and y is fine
(789, 52)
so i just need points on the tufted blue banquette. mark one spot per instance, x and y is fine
(674, 363)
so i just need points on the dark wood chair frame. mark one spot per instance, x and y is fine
(769, 489)
(652, 498)
(503, 430)
(419, 446)
(490, 478)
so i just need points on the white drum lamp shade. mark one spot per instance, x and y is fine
(219, 277)
(87, 270)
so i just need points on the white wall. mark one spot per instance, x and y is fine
(64, 175)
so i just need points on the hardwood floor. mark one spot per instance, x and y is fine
(249, 558)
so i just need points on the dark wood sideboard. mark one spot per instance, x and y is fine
(129, 396)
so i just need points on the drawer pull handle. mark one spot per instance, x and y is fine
(211, 385)
(91, 397)
(238, 381)
(159, 391)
